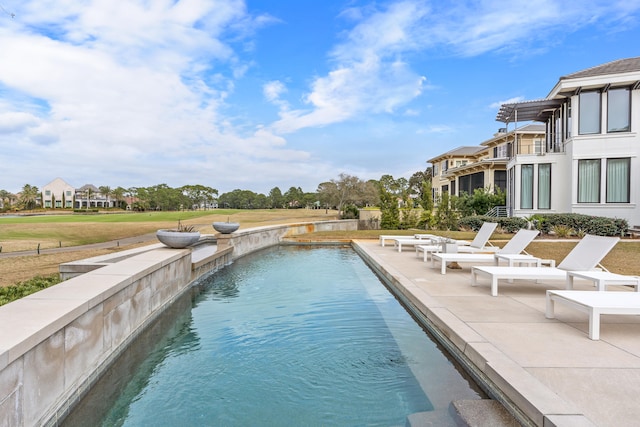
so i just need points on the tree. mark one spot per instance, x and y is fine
(347, 190)
(426, 202)
(294, 197)
(243, 199)
(29, 197)
(446, 216)
(164, 198)
(140, 196)
(389, 211)
(199, 195)
(276, 199)
(105, 190)
(118, 194)
(416, 181)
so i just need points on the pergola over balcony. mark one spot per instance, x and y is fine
(528, 111)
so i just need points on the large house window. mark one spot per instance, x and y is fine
(526, 187)
(618, 178)
(500, 180)
(589, 181)
(619, 110)
(435, 169)
(544, 186)
(589, 115)
(468, 183)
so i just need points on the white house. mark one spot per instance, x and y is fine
(590, 160)
(90, 196)
(57, 195)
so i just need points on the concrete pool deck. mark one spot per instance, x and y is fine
(549, 368)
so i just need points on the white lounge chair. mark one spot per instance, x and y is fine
(479, 243)
(515, 246)
(595, 303)
(602, 279)
(384, 237)
(418, 239)
(586, 255)
(427, 250)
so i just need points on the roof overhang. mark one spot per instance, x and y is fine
(482, 165)
(527, 111)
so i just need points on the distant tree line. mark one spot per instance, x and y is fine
(340, 193)
(403, 203)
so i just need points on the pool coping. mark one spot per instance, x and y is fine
(537, 389)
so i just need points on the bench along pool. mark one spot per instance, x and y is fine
(291, 335)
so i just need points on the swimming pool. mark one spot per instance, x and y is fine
(288, 335)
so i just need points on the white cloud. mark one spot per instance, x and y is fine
(273, 91)
(438, 129)
(138, 92)
(16, 121)
(370, 75)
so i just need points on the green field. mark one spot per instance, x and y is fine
(114, 217)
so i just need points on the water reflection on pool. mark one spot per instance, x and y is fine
(286, 336)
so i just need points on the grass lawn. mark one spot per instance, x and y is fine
(52, 231)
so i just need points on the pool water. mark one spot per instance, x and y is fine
(286, 336)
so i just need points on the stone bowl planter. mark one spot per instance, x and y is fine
(226, 227)
(177, 239)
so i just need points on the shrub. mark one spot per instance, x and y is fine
(588, 224)
(350, 212)
(513, 224)
(510, 225)
(28, 287)
(562, 230)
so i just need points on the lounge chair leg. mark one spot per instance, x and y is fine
(594, 324)
(551, 308)
(494, 286)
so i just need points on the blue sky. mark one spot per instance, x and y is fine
(262, 93)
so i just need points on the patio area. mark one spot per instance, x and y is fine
(549, 368)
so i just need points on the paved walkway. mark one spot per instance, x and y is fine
(102, 245)
(550, 368)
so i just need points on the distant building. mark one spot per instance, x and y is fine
(465, 169)
(57, 195)
(89, 196)
(8, 200)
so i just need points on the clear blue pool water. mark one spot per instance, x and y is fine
(287, 336)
